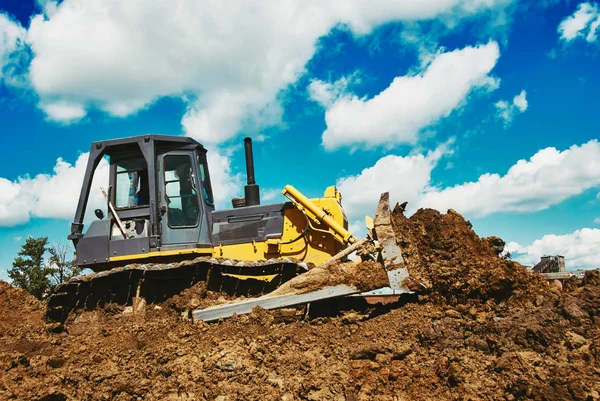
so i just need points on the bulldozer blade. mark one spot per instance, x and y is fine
(391, 254)
(215, 313)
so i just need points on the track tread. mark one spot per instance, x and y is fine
(157, 282)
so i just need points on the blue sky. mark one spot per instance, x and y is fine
(489, 108)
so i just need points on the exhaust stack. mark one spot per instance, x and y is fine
(251, 191)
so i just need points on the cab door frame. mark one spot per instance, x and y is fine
(180, 236)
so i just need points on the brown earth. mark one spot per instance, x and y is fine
(481, 327)
(364, 276)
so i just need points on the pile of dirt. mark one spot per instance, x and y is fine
(197, 297)
(480, 329)
(446, 258)
(15, 299)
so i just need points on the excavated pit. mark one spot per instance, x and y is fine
(479, 327)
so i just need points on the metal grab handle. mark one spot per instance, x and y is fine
(114, 212)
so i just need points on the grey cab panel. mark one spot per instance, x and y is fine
(252, 223)
(93, 247)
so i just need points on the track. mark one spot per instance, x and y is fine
(156, 282)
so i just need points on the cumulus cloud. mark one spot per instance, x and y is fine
(507, 111)
(583, 23)
(63, 111)
(12, 41)
(225, 183)
(229, 63)
(580, 248)
(547, 178)
(326, 93)
(409, 104)
(404, 177)
(271, 195)
(50, 195)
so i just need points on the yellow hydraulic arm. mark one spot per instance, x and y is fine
(320, 216)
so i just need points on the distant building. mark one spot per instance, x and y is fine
(550, 264)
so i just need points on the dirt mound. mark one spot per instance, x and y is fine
(18, 309)
(448, 259)
(482, 328)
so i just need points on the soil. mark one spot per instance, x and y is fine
(479, 327)
(446, 258)
(364, 276)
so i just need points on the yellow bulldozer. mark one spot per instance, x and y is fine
(161, 233)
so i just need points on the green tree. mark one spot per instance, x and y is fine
(28, 269)
(62, 263)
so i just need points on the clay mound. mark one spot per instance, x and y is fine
(18, 308)
(447, 259)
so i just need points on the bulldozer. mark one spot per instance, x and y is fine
(162, 234)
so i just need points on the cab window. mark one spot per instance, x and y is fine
(180, 191)
(131, 183)
(205, 178)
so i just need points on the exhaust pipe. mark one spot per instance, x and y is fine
(251, 191)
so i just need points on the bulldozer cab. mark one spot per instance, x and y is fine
(159, 188)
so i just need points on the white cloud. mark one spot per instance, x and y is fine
(225, 183)
(326, 93)
(63, 111)
(507, 111)
(10, 212)
(50, 195)
(547, 178)
(409, 104)
(596, 220)
(271, 195)
(228, 62)
(580, 248)
(583, 23)
(405, 178)
(12, 39)
(49, 7)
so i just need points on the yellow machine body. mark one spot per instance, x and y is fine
(326, 236)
